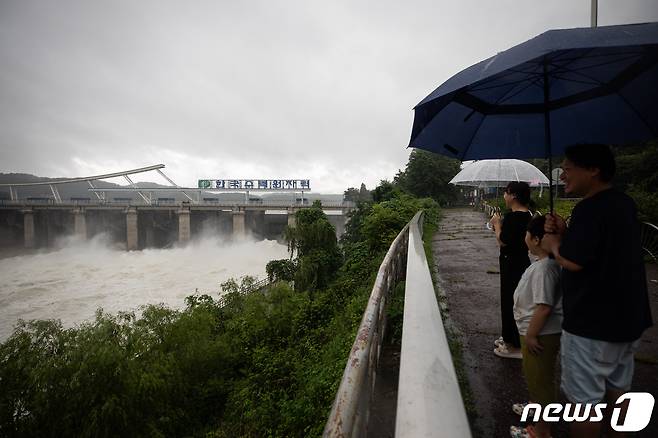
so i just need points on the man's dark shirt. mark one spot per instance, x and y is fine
(608, 299)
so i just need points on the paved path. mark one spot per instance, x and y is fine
(466, 258)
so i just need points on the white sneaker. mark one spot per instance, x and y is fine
(518, 408)
(505, 352)
(498, 342)
(519, 432)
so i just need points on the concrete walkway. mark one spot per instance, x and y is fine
(466, 258)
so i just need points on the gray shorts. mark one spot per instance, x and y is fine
(591, 367)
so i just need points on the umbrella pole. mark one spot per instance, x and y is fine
(547, 136)
(550, 182)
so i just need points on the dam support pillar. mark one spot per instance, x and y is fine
(80, 223)
(239, 225)
(184, 231)
(292, 219)
(132, 236)
(28, 228)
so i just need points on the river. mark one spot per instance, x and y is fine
(72, 281)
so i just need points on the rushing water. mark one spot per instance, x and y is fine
(71, 282)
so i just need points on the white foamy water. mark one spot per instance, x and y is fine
(72, 282)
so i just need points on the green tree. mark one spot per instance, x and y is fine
(428, 174)
(358, 195)
(386, 219)
(364, 194)
(281, 270)
(637, 175)
(637, 166)
(351, 195)
(313, 240)
(353, 227)
(385, 191)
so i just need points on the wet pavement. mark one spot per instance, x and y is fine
(466, 261)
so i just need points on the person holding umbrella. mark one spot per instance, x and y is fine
(586, 87)
(510, 235)
(605, 297)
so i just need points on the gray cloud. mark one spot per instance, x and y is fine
(244, 89)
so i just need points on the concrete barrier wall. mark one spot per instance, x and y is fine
(429, 400)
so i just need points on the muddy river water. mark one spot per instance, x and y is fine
(74, 279)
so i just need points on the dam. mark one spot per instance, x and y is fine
(37, 224)
(152, 217)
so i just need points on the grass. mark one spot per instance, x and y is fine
(562, 207)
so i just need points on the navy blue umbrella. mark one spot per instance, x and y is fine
(589, 85)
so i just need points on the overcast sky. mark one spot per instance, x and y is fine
(245, 89)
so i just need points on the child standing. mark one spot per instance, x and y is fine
(538, 315)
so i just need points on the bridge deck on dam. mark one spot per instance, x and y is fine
(466, 258)
(163, 206)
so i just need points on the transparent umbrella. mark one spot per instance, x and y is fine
(497, 173)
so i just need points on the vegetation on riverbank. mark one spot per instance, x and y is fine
(263, 364)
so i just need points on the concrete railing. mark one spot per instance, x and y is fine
(429, 399)
(429, 402)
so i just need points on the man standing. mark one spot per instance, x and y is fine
(605, 298)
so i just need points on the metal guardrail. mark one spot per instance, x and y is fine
(429, 402)
(349, 413)
(489, 210)
(254, 287)
(649, 239)
(85, 178)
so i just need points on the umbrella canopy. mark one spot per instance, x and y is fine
(497, 173)
(590, 85)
